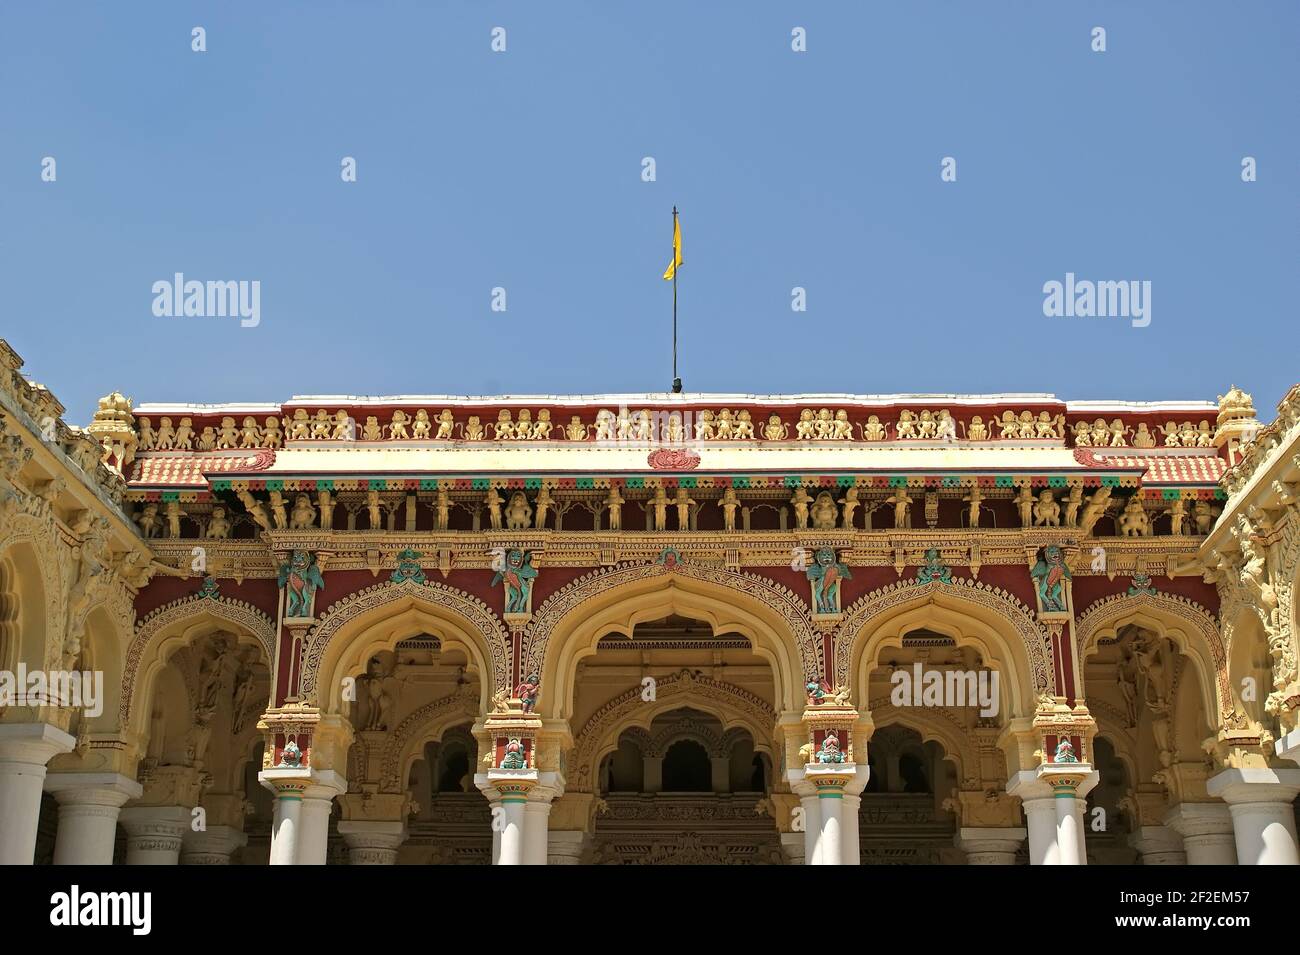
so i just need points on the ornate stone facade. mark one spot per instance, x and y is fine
(650, 630)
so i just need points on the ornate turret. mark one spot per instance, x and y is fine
(114, 428)
(1236, 423)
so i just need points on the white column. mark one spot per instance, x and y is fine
(565, 847)
(373, 843)
(1040, 816)
(850, 848)
(990, 846)
(794, 846)
(213, 846)
(512, 829)
(89, 804)
(812, 824)
(317, 804)
(537, 814)
(288, 785)
(25, 748)
(1158, 845)
(1053, 800)
(1263, 819)
(154, 833)
(830, 805)
(1206, 828)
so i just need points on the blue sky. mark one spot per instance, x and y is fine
(522, 170)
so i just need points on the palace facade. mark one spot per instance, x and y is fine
(648, 629)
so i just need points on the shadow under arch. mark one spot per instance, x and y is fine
(1187, 625)
(933, 725)
(992, 621)
(571, 622)
(371, 620)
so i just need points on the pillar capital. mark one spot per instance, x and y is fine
(89, 804)
(92, 789)
(1206, 828)
(1263, 817)
(154, 833)
(212, 846)
(373, 843)
(990, 845)
(1261, 784)
(32, 743)
(1158, 845)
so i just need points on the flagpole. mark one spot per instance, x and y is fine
(677, 382)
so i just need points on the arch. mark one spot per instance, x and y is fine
(178, 624)
(31, 598)
(992, 620)
(429, 722)
(1188, 625)
(777, 623)
(732, 705)
(374, 619)
(933, 724)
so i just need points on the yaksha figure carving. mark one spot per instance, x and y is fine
(514, 755)
(830, 751)
(526, 692)
(1050, 575)
(518, 575)
(825, 572)
(300, 578)
(1064, 751)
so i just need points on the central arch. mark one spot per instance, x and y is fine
(568, 626)
(993, 621)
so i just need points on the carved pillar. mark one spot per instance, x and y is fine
(214, 846)
(653, 769)
(89, 804)
(1206, 828)
(566, 847)
(721, 773)
(510, 744)
(829, 784)
(1158, 845)
(25, 748)
(373, 843)
(1263, 818)
(154, 833)
(990, 845)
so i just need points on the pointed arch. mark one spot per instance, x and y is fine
(368, 621)
(994, 621)
(31, 594)
(178, 624)
(566, 628)
(1191, 628)
(932, 723)
(731, 704)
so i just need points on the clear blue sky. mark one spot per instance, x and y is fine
(523, 170)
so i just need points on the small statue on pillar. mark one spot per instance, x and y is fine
(825, 573)
(514, 755)
(1064, 751)
(830, 751)
(526, 692)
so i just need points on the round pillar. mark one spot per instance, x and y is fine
(154, 834)
(89, 805)
(373, 843)
(990, 846)
(25, 748)
(514, 799)
(537, 814)
(1263, 820)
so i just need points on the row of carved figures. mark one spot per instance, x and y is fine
(644, 425)
(820, 512)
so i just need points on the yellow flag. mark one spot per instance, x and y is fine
(677, 249)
